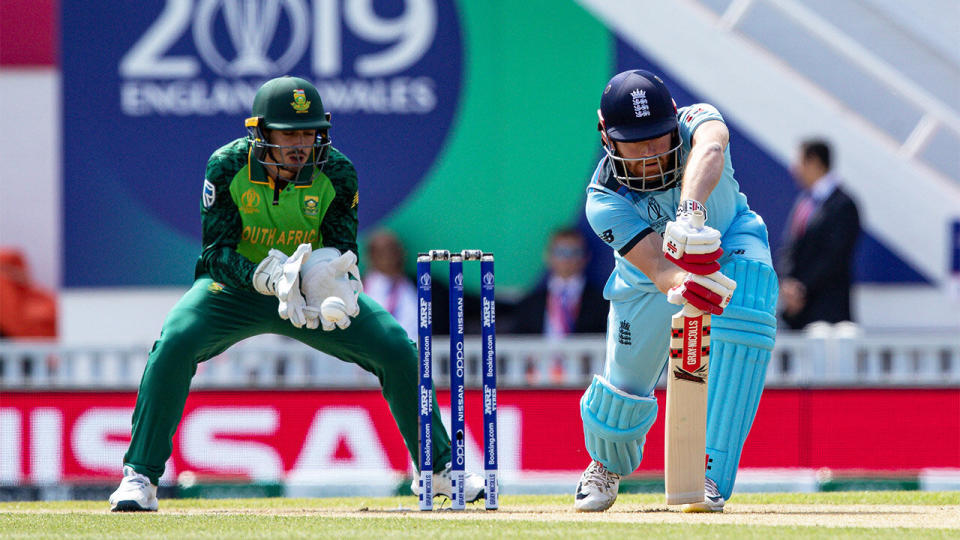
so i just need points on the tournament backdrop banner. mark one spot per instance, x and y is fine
(457, 115)
(330, 437)
(471, 124)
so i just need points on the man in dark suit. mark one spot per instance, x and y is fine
(565, 303)
(816, 261)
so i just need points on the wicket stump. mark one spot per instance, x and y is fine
(457, 370)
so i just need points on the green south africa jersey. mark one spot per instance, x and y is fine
(241, 224)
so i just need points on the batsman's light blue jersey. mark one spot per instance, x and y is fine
(638, 325)
(622, 217)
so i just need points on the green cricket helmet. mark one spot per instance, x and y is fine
(286, 104)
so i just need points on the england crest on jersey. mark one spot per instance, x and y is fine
(209, 193)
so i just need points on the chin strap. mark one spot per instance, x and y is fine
(276, 192)
(279, 183)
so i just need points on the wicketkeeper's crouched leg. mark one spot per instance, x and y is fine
(160, 400)
(741, 343)
(205, 322)
(376, 342)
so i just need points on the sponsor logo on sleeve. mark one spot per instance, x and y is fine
(209, 193)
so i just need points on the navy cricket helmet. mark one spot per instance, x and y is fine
(289, 104)
(636, 106)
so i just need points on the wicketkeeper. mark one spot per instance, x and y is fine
(665, 170)
(279, 217)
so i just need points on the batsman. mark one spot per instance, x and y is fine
(666, 172)
(279, 220)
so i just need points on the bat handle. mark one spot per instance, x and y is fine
(698, 220)
(689, 310)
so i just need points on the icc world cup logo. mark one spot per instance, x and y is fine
(252, 28)
(653, 209)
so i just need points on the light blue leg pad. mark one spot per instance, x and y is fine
(741, 341)
(615, 425)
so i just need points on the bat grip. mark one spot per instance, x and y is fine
(689, 310)
(698, 220)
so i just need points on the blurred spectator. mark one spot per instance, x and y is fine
(385, 282)
(816, 261)
(565, 303)
(26, 310)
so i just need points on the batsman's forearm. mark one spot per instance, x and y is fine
(668, 275)
(648, 257)
(703, 171)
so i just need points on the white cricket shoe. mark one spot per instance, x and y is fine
(474, 487)
(712, 501)
(135, 494)
(597, 489)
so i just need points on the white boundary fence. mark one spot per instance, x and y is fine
(831, 356)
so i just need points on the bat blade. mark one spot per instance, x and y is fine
(686, 417)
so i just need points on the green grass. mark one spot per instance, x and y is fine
(848, 514)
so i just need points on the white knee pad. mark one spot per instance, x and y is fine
(615, 425)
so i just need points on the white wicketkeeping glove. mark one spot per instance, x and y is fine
(269, 272)
(320, 271)
(288, 288)
(279, 275)
(689, 243)
(331, 274)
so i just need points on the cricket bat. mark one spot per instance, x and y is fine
(686, 421)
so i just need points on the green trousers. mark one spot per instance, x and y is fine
(211, 317)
